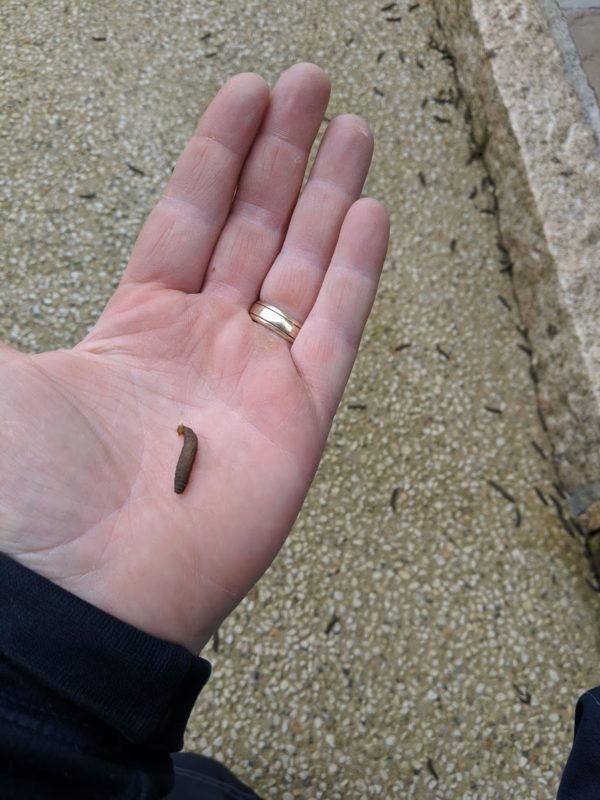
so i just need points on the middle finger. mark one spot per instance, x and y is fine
(269, 185)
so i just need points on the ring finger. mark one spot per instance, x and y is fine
(335, 183)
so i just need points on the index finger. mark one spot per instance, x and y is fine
(177, 239)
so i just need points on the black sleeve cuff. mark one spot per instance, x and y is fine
(581, 776)
(141, 687)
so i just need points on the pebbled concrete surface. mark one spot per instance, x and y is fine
(428, 627)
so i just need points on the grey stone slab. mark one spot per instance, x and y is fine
(585, 30)
(543, 155)
(570, 5)
(427, 628)
(556, 24)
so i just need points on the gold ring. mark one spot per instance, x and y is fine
(271, 317)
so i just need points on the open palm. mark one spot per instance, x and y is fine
(89, 441)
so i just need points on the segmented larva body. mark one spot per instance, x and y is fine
(186, 458)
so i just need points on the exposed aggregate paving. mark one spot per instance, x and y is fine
(421, 635)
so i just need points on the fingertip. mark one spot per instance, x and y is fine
(302, 92)
(236, 111)
(368, 223)
(308, 81)
(250, 82)
(307, 69)
(356, 123)
(375, 212)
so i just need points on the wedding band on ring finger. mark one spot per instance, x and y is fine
(273, 318)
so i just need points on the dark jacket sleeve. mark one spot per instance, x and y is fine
(90, 707)
(581, 777)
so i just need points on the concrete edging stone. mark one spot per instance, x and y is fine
(535, 129)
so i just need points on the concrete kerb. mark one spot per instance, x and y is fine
(534, 130)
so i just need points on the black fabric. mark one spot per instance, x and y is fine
(201, 778)
(581, 777)
(90, 707)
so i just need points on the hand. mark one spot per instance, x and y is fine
(89, 437)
